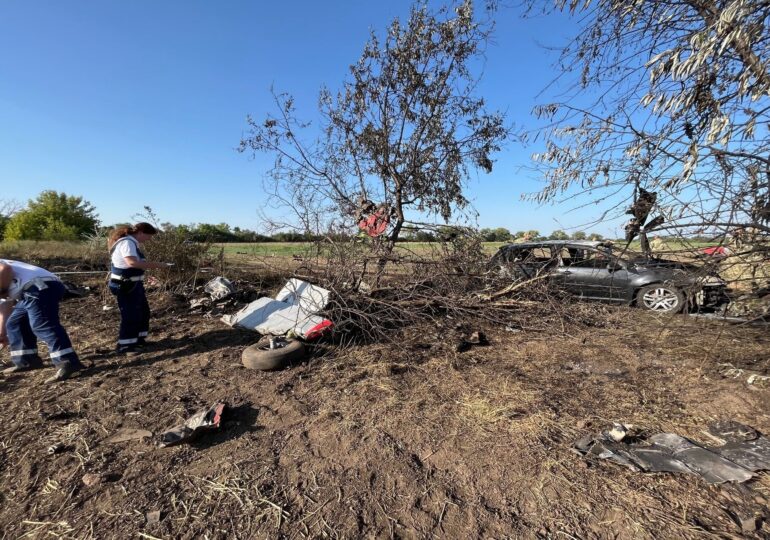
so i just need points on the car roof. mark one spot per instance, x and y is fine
(568, 243)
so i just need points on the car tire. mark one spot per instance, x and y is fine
(260, 356)
(660, 298)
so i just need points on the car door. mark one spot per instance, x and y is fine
(592, 273)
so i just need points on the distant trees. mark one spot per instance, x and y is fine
(220, 233)
(58, 216)
(7, 209)
(500, 234)
(52, 216)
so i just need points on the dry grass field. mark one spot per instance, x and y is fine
(402, 438)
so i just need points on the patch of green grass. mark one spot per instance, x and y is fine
(290, 249)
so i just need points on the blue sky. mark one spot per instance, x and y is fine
(143, 103)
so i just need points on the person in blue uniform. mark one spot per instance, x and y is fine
(29, 310)
(127, 268)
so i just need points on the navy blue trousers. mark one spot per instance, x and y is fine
(36, 316)
(134, 314)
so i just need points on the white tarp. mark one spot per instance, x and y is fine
(293, 310)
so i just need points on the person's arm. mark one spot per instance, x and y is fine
(134, 262)
(6, 304)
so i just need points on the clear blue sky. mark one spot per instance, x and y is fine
(133, 103)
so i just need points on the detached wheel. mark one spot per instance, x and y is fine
(660, 297)
(261, 356)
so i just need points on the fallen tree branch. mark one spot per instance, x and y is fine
(513, 287)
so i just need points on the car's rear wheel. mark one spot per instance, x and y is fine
(661, 298)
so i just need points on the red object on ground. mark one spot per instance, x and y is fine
(375, 224)
(319, 329)
(716, 250)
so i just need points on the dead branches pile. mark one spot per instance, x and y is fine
(444, 282)
(187, 257)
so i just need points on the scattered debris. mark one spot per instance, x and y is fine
(640, 210)
(92, 479)
(744, 452)
(201, 421)
(752, 377)
(373, 220)
(618, 431)
(199, 303)
(107, 308)
(153, 517)
(129, 434)
(476, 338)
(589, 368)
(756, 378)
(293, 311)
(219, 288)
(73, 291)
(55, 448)
(222, 295)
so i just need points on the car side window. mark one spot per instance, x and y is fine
(590, 258)
(515, 255)
(542, 254)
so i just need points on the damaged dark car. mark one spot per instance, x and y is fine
(598, 271)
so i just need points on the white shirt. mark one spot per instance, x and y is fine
(23, 273)
(125, 247)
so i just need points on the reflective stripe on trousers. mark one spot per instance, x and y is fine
(134, 314)
(36, 316)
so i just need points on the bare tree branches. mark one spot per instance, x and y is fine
(672, 96)
(405, 130)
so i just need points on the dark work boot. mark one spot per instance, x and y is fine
(20, 369)
(63, 372)
(129, 350)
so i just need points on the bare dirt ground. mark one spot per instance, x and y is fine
(410, 439)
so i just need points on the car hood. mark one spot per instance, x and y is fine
(680, 271)
(654, 264)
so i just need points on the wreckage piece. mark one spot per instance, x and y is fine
(709, 465)
(271, 353)
(129, 434)
(294, 310)
(200, 303)
(736, 461)
(744, 445)
(74, 291)
(198, 423)
(376, 223)
(373, 219)
(219, 288)
(641, 207)
(731, 431)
